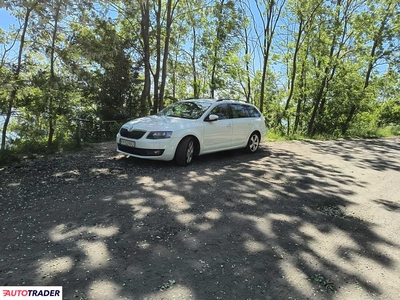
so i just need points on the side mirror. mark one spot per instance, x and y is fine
(212, 118)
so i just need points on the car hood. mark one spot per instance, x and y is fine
(158, 123)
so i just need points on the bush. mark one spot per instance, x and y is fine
(8, 157)
(391, 130)
(31, 147)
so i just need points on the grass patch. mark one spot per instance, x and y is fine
(167, 285)
(275, 135)
(389, 131)
(332, 211)
(374, 132)
(324, 282)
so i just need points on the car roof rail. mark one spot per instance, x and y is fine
(234, 100)
(191, 98)
(222, 99)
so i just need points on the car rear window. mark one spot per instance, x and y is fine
(239, 111)
(253, 112)
(244, 111)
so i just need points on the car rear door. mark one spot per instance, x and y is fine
(242, 125)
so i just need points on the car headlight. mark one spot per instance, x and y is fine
(155, 135)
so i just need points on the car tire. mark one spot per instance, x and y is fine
(253, 144)
(185, 152)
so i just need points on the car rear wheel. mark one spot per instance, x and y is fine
(185, 152)
(254, 143)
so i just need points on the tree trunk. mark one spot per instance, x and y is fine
(170, 18)
(294, 65)
(213, 83)
(301, 99)
(267, 46)
(14, 91)
(156, 75)
(52, 77)
(248, 79)
(311, 127)
(217, 46)
(145, 24)
(196, 90)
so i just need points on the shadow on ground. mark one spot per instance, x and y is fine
(230, 226)
(376, 154)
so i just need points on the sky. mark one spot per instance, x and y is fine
(6, 20)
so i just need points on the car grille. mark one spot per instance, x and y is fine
(134, 134)
(142, 152)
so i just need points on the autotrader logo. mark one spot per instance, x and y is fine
(31, 292)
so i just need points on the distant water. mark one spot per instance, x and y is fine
(9, 134)
(2, 119)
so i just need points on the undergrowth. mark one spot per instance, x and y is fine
(371, 132)
(21, 150)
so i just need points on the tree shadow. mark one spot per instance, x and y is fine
(389, 205)
(376, 154)
(229, 226)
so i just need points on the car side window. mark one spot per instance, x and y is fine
(239, 111)
(253, 112)
(222, 111)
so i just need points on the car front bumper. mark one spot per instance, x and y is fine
(160, 149)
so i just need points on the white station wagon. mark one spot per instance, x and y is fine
(191, 128)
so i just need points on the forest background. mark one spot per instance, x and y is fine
(75, 70)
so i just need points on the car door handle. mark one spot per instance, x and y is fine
(229, 125)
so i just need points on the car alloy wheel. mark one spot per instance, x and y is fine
(254, 143)
(185, 151)
(189, 151)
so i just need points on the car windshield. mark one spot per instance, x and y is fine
(186, 109)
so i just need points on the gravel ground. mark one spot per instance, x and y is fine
(297, 220)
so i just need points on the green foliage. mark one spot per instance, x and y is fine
(365, 125)
(112, 80)
(219, 41)
(98, 131)
(390, 112)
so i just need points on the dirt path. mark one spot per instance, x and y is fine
(298, 220)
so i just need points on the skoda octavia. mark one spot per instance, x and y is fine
(191, 128)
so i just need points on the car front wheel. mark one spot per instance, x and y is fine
(185, 152)
(254, 143)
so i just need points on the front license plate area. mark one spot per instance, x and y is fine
(127, 143)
